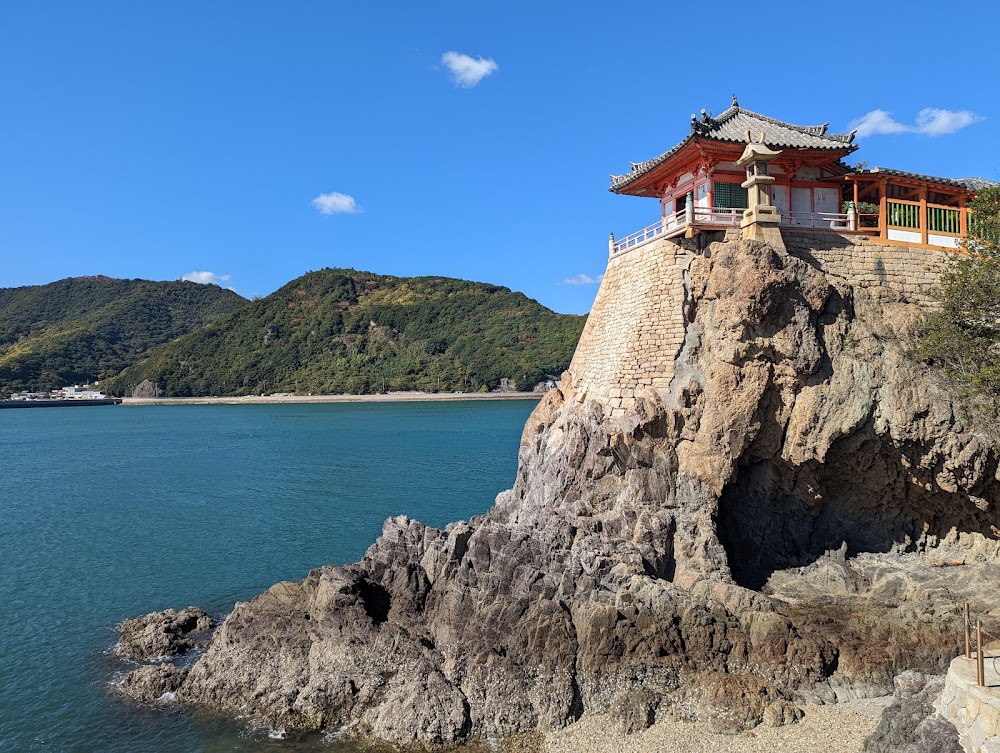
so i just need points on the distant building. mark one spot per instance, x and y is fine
(30, 396)
(699, 186)
(76, 392)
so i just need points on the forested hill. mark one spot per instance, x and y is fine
(85, 328)
(340, 330)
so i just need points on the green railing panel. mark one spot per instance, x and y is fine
(943, 220)
(903, 215)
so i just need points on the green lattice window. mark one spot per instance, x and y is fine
(729, 195)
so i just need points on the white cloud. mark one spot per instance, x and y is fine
(931, 121)
(936, 122)
(876, 122)
(206, 278)
(467, 71)
(582, 279)
(336, 203)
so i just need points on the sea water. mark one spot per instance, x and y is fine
(113, 512)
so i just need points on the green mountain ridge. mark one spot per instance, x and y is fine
(347, 331)
(82, 329)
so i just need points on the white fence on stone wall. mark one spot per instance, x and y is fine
(648, 233)
(817, 220)
(676, 223)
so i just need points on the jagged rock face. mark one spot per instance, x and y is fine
(147, 389)
(848, 442)
(162, 634)
(152, 682)
(618, 563)
(911, 724)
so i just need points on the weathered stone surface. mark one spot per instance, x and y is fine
(152, 682)
(162, 634)
(148, 389)
(637, 709)
(732, 703)
(734, 499)
(780, 713)
(910, 724)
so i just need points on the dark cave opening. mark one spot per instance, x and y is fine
(867, 493)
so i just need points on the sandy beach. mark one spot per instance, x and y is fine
(837, 728)
(392, 397)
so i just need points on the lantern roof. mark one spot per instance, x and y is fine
(755, 152)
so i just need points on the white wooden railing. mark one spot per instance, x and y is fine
(718, 215)
(674, 224)
(639, 237)
(827, 220)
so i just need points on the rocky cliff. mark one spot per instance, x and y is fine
(764, 519)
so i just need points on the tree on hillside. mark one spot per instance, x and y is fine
(963, 335)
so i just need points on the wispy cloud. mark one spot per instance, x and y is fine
(206, 278)
(931, 121)
(467, 71)
(336, 203)
(582, 279)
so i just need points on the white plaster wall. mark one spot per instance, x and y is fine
(826, 200)
(701, 195)
(779, 197)
(903, 235)
(948, 241)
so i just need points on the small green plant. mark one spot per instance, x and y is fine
(867, 212)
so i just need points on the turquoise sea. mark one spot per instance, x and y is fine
(112, 512)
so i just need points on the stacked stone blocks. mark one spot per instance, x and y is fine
(636, 327)
(866, 263)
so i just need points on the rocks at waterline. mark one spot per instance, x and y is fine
(688, 557)
(155, 639)
(162, 634)
(152, 682)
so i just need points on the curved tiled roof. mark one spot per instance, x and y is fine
(971, 184)
(732, 125)
(976, 184)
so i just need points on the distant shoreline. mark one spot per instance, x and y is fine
(392, 397)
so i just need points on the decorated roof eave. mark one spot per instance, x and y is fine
(653, 171)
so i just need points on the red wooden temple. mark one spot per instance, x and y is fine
(698, 185)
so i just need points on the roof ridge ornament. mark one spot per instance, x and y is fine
(735, 101)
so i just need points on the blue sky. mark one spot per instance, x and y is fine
(254, 141)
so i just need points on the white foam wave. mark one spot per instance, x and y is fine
(330, 737)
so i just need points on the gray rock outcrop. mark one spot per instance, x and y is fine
(162, 634)
(152, 682)
(147, 389)
(911, 724)
(764, 531)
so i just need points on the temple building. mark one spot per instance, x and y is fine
(702, 184)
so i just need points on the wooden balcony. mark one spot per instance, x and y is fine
(716, 218)
(923, 224)
(900, 222)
